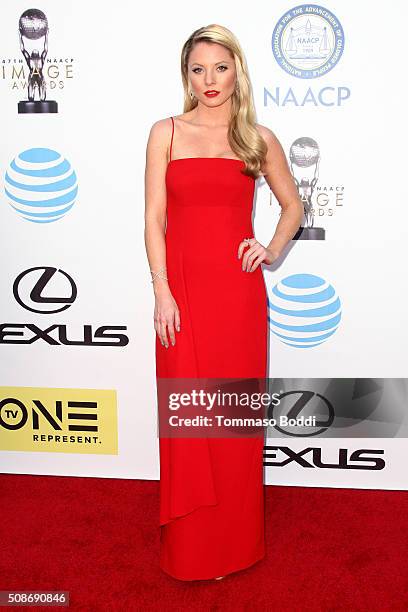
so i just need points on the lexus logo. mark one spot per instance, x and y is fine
(45, 290)
(303, 401)
(360, 459)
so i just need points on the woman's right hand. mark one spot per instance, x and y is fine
(166, 317)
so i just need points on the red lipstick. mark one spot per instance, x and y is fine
(211, 93)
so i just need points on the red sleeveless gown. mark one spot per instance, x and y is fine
(211, 489)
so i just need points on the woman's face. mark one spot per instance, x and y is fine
(211, 68)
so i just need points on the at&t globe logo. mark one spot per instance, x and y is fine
(304, 310)
(41, 185)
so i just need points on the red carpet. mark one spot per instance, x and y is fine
(328, 549)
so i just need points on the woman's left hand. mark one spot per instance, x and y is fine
(255, 254)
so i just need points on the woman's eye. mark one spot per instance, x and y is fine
(198, 69)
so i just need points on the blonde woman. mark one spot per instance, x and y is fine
(210, 299)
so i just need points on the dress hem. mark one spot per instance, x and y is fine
(220, 573)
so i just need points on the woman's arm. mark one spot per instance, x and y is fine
(280, 180)
(166, 313)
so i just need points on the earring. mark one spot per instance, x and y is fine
(191, 95)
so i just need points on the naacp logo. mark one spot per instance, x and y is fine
(308, 41)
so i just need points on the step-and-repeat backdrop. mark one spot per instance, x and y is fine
(80, 88)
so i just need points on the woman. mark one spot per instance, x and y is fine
(210, 297)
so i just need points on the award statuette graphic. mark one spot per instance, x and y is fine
(304, 158)
(33, 26)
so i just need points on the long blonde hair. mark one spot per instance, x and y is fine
(243, 137)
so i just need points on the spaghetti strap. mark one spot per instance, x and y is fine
(172, 134)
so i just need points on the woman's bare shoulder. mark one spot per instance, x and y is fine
(160, 127)
(267, 134)
(161, 130)
(161, 124)
(159, 137)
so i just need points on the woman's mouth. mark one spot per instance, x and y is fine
(211, 93)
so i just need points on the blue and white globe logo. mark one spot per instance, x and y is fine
(308, 41)
(304, 310)
(41, 185)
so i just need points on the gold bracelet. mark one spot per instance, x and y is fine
(158, 274)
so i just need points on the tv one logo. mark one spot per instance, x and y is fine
(69, 420)
(14, 415)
